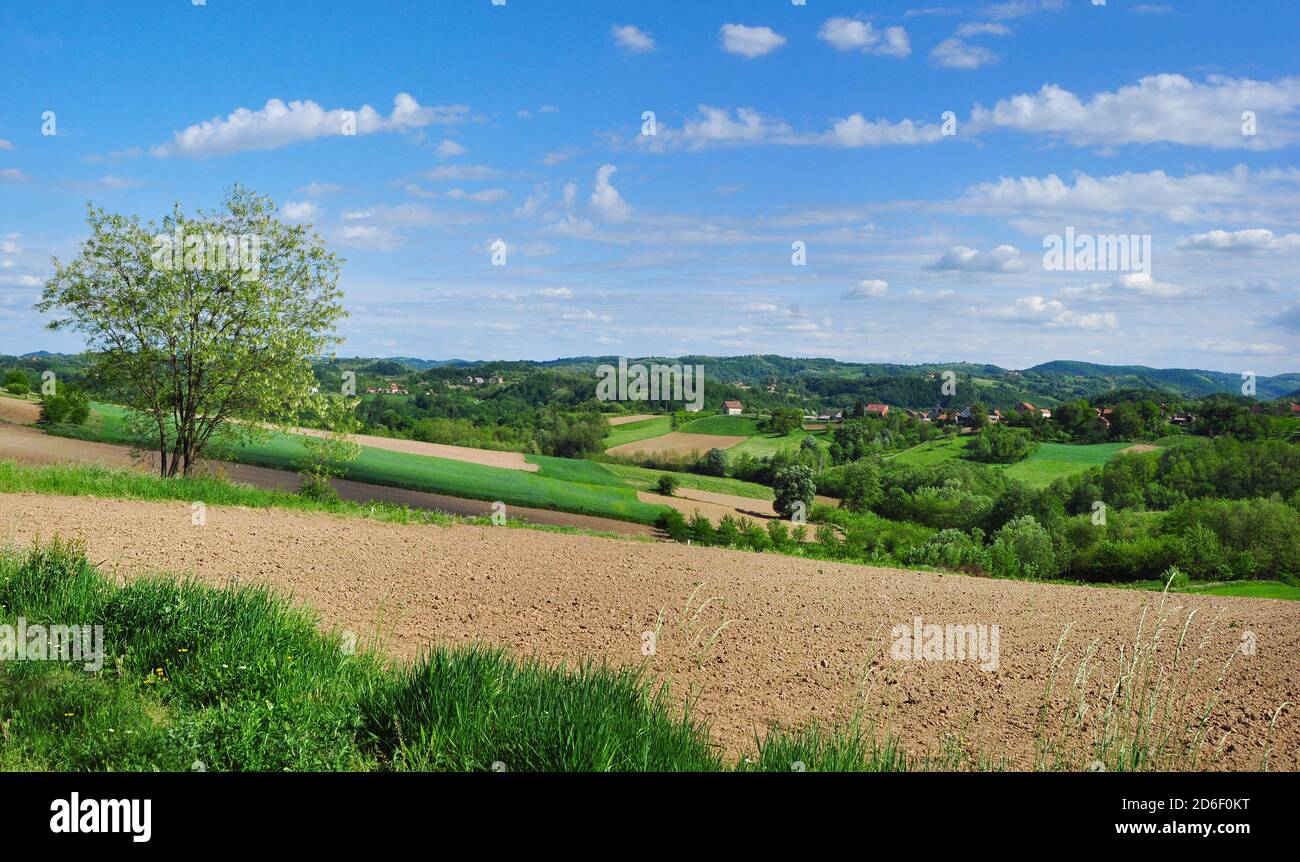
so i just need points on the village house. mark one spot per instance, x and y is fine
(732, 408)
(1295, 409)
(390, 389)
(880, 410)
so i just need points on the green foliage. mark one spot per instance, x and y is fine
(791, 485)
(953, 549)
(16, 383)
(715, 462)
(667, 484)
(67, 406)
(195, 341)
(860, 487)
(1023, 549)
(998, 444)
(784, 420)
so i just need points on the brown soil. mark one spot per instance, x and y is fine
(805, 639)
(624, 420)
(1138, 447)
(677, 441)
(18, 410)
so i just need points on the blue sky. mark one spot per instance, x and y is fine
(775, 123)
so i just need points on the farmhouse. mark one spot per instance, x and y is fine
(732, 408)
(881, 410)
(1295, 409)
(390, 389)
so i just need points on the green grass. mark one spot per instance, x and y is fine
(566, 485)
(932, 451)
(765, 445)
(643, 429)
(1055, 460)
(732, 426)
(644, 479)
(1248, 589)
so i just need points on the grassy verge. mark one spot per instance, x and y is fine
(645, 479)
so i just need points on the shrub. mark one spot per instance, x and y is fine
(701, 530)
(667, 484)
(68, 406)
(997, 444)
(674, 524)
(953, 549)
(715, 463)
(15, 383)
(1023, 549)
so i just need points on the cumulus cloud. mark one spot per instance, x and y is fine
(486, 196)
(9, 243)
(867, 288)
(960, 258)
(750, 41)
(300, 211)
(278, 124)
(633, 39)
(6, 145)
(723, 127)
(849, 34)
(1249, 241)
(1053, 314)
(1194, 197)
(606, 200)
(1158, 108)
(956, 54)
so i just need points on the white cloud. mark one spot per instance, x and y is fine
(985, 28)
(960, 258)
(486, 196)
(1053, 314)
(1249, 241)
(633, 39)
(606, 200)
(956, 54)
(278, 124)
(300, 211)
(449, 149)
(1234, 194)
(9, 244)
(6, 145)
(1021, 8)
(750, 41)
(319, 190)
(1158, 108)
(849, 34)
(870, 287)
(1238, 348)
(13, 175)
(556, 293)
(722, 127)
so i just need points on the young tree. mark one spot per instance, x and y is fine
(791, 485)
(202, 324)
(15, 383)
(331, 448)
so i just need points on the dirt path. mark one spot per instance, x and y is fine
(803, 638)
(32, 446)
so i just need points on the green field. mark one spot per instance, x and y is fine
(1249, 590)
(634, 431)
(732, 426)
(584, 487)
(643, 478)
(1055, 460)
(932, 451)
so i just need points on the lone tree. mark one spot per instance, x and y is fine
(204, 324)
